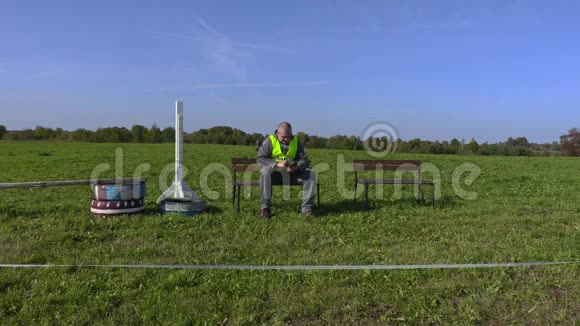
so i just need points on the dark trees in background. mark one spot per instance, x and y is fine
(472, 147)
(138, 133)
(455, 147)
(153, 134)
(113, 135)
(225, 135)
(520, 146)
(518, 142)
(83, 135)
(570, 143)
(168, 135)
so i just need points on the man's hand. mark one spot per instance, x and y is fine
(282, 164)
(291, 169)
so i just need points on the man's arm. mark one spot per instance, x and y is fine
(302, 159)
(265, 154)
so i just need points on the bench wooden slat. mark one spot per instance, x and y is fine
(400, 181)
(247, 183)
(392, 165)
(242, 160)
(361, 167)
(387, 162)
(246, 168)
(257, 183)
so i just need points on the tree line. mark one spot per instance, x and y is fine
(137, 134)
(569, 144)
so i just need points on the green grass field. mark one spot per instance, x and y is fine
(527, 209)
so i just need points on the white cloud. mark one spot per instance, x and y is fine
(224, 54)
(245, 85)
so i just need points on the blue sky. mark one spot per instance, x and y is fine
(432, 69)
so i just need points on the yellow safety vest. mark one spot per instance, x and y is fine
(277, 153)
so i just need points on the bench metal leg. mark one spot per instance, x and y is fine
(433, 198)
(355, 188)
(318, 194)
(366, 203)
(420, 192)
(234, 195)
(239, 198)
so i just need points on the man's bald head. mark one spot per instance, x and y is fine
(285, 126)
(284, 132)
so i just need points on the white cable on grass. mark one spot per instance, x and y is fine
(294, 267)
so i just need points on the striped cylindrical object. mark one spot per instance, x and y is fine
(120, 191)
(106, 208)
(124, 197)
(181, 207)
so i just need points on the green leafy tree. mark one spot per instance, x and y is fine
(356, 143)
(455, 146)
(60, 134)
(113, 135)
(2, 131)
(43, 133)
(168, 135)
(258, 139)
(518, 142)
(83, 135)
(437, 148)
(570, 143)
(485, 149)
(412, 146)
(302, 138)
(472, 147)
(200, 136)
(338, 142)
(316, 142)
(154, 134)
(138, 133)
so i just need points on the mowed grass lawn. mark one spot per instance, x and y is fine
(526, 210)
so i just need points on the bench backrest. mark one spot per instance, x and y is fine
(392, 165)
(250, 165)
(244, 165)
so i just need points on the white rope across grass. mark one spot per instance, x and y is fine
(293, 267)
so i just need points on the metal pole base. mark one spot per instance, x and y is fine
(179, 191)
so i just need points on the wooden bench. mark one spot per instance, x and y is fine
(242, 165)
(389, 165)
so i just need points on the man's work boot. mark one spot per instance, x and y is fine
(308, 211)
(266, 213)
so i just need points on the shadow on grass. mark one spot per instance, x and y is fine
(443, 202)
(214, 209)
(30, 213)
(340, 207)
(152, 210)
(449, 202)
(349, 206)
(8, 215)
(346, 206)
(326, 208)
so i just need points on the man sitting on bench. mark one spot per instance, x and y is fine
(283, 161)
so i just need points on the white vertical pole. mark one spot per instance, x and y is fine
(179, 189)
(178, 141)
